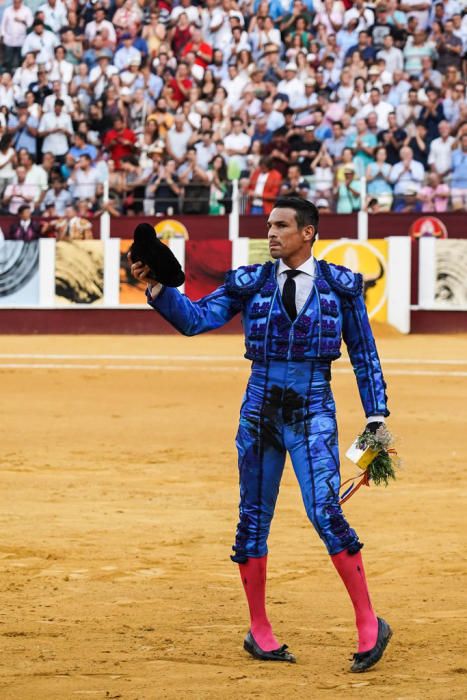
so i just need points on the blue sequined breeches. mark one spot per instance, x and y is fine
(289, 407)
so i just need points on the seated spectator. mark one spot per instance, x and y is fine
(418, 144)
(392, 138)
(264, 187)
(84, 180)
(363, 144)
(407, 178)
(7, 161)
(295, 185)
(432, 113)
(321, 168)
(348, 193)
(119, 141)
(81, 147)
(459, 175)
(220, 187)
(55, 129)
(166, 190)
(41, 42)
(24, 229)
(434, 195)
(17, 193)
(23, 128)
(58, 196)
(378, 178)
(440, 155)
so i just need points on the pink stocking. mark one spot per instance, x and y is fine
(351, 571)
(253, 574)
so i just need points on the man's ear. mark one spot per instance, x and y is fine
(309, 233)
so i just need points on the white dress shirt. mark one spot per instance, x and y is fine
(303, 282)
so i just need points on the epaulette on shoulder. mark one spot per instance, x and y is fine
(341, 279)
(246, 280)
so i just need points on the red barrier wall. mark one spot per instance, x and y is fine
(331, 225)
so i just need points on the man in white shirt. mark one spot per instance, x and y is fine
(362, 14)
(421, 11)
(177, 139)
(392, 55)
(54, 14)
(381, 109)
(234, 84)
(237, 144)
(98, 25)
(16, 20)
(56, 128)
(36, 177)
(84, 179)
(41, 42)
(292, 86)
(59, 92)
(406, 176)
(191, 11)
(440, 156)
(100, 74)
(205, 150)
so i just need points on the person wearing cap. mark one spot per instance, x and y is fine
(348, 193)
(292, 86)
(126, 53)
(270, 61)
(101, 74)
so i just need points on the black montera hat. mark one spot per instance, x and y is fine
(147, 248)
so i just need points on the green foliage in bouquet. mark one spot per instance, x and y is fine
(383, 467)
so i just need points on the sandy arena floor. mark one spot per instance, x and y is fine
(118, 509)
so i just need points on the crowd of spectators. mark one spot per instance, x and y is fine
(155, 107)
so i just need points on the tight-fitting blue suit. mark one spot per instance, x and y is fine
(288, 404)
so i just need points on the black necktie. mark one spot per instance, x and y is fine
(288, 294)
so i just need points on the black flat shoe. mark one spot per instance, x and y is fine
(281, 654)
(366, 659)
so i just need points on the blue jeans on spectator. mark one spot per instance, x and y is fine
(256, 211)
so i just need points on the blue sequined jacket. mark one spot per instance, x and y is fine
(334, 310)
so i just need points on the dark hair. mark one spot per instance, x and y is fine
(306, 214)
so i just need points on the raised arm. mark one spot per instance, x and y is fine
(194, 317)
(188, 317)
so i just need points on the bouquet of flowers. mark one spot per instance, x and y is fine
(374, 454)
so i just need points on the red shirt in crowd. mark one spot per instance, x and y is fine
(177, 94)
(119, 143)
(202, 48)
